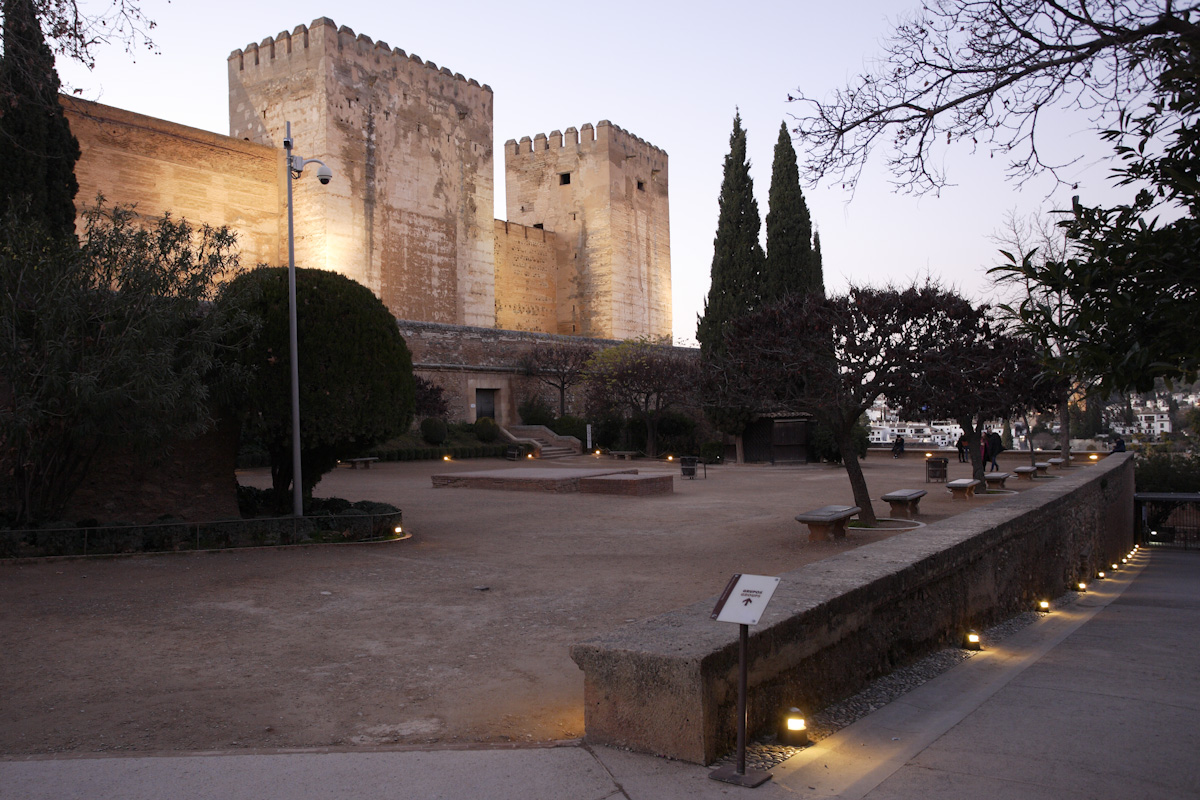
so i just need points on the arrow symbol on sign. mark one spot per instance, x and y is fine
(747, 601)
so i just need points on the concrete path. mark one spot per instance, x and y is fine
(1097, 700)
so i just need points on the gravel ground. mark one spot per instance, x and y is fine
(766, 752)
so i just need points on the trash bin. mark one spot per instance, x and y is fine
(687, 466)
(935, 469)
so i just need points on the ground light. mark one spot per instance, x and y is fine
(446, 458)
(597, 453)
(929, 455)
(1094, 457)
(1100, 575)
(670, 458)
(398, 530)
(793, 731)
(971, 641)
(1115, 566)
(1081, 587)
(529, 455)
(1044, 606)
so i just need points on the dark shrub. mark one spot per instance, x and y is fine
(570, 426)
(535, 411)
(486, 429)
(433, 430)
(712, 452)
(430, 399)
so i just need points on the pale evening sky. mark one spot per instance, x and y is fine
(671, 73)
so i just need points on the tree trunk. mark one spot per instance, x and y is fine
(1064, 424)
(651, 436)
(562, 401)
(1029, 437)
(858, 483)
(974, 447)
(739, 448)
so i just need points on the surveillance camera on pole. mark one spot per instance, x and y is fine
(296, 166)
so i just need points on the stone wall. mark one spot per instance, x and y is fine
(603, 192)
(409, 210)
(668, 685)
(201, 176)
(464, 360)
(526, 278)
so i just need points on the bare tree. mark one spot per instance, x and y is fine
(1039, 238)
(557, 364)
(984, 72)
(644, 379)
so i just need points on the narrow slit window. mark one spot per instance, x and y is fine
(641, 186)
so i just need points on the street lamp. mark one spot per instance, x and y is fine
(295, 165)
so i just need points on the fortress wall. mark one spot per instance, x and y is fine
(614, 242)
(578, 212)
(409, 211)
(201, 176)
(641, 239)
(526, 278)
(667, 685)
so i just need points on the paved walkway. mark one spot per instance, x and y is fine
(1097, 700)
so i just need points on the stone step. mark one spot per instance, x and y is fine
(550, 451)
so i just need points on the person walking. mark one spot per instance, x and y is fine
(995, 445)
(961, 444)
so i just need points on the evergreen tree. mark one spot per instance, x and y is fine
(818, 273)
(36, 145)
(737, 254)
(789, 227)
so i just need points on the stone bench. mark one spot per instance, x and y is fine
(1057, 463)
(1025, 473)
(355, 462)
(624, 455)
(827, 522)
(1043, 467)
(995, 480)
(963, 488)
(904, 502)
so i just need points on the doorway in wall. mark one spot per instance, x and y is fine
(485, 403)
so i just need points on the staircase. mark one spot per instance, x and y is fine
(549, 444)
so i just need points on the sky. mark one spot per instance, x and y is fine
(673, 73)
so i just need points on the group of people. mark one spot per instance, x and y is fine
(990, 447)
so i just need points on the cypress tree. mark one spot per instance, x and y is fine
(738, 258)
(789, 227)
(818, 273)
(36, 145)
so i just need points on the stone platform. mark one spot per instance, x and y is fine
(544, 479)
(629, 485)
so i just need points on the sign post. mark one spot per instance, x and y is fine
(743, 601)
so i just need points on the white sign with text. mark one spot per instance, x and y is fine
(744, 599)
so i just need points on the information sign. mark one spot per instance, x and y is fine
(744, 599)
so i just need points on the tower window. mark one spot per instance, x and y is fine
(564, 178)
(540, 226)
(641, 186)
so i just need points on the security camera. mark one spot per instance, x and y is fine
(324, 175)
(287, 143)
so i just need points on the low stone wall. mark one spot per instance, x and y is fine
(668, 685)
(629, 485)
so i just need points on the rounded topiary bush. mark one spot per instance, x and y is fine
(433, 430)
(486, 429)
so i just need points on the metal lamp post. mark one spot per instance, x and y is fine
(295, 165)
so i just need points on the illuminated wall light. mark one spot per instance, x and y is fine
(929, 455)
(1044, 605)
(793, 731)
(529, 455)
(972, 641)
(1094, 457)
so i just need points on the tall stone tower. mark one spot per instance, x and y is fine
(603, 192)
(409, 211)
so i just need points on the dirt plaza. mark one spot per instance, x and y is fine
(457, 635)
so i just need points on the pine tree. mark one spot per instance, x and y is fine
(36, 145)
(818, 273)
(738, 258)
(789, 227)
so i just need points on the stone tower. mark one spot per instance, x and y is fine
(603, 192)
(409, 211)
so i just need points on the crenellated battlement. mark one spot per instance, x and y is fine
(302, 37)
(603, 132)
